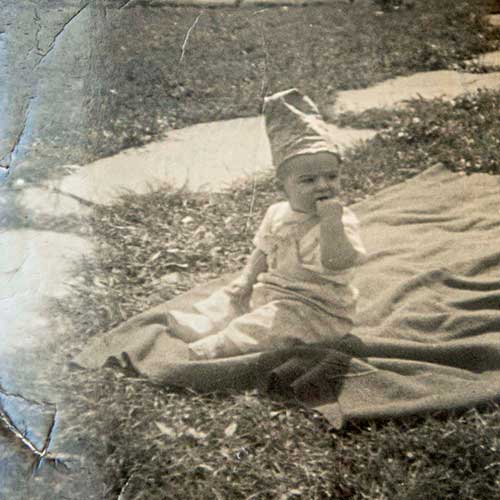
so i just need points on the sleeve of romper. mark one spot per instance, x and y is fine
(352, 231)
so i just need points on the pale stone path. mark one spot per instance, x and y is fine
(426, 85)
(490, 60)
(35, 268)
(206, 156)
(494, 19)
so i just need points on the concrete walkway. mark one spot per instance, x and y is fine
(427, 85)
(494, 20)
(206, 156)
(35, 270)
(490, 60)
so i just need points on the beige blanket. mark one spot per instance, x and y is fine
(428, 328)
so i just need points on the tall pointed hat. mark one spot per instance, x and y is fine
(295, 127)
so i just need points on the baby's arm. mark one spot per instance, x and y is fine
(337, 250)
(256, 264)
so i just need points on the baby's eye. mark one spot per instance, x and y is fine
(331, 177)
(306, 180)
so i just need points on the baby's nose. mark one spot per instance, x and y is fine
(322, 183)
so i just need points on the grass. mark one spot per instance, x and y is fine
(173, 445)
(462, 134)
(159, 444)
(234, 57)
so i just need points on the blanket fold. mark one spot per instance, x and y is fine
(427, 332)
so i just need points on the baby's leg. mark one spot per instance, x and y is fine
(212, 315)
(275, 325)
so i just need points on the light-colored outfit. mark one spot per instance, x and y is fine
(296, 299)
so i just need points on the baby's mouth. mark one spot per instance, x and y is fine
(323, 197)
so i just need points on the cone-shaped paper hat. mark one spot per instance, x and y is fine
(295, 127)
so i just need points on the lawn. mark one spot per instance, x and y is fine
(146, 84)
(168, 444)
(233, 57)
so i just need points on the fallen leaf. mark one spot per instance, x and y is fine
(230, 429)
(167, 431)
(204, 468)
(198, 435)
(155, 256)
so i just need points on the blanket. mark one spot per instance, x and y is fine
(427, 332)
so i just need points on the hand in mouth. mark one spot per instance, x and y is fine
(329, 207)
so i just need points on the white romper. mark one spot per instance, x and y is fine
(296, 300)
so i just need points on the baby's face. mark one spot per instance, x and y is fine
(311, 178)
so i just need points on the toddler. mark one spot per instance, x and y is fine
(296, 285)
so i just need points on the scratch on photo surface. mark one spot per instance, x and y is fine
(252, 203)
(126, 4)
(265, 78)
(17, 268)
(186, 39)
(260, 11)
(11, 154)
(124, 490)
(264, 82)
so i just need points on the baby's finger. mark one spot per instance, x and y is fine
(233, 289)
(329, 208)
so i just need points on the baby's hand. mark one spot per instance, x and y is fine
(329, 209)
(240, 292)
(240, 287)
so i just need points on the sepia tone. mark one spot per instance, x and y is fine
(135, 166)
